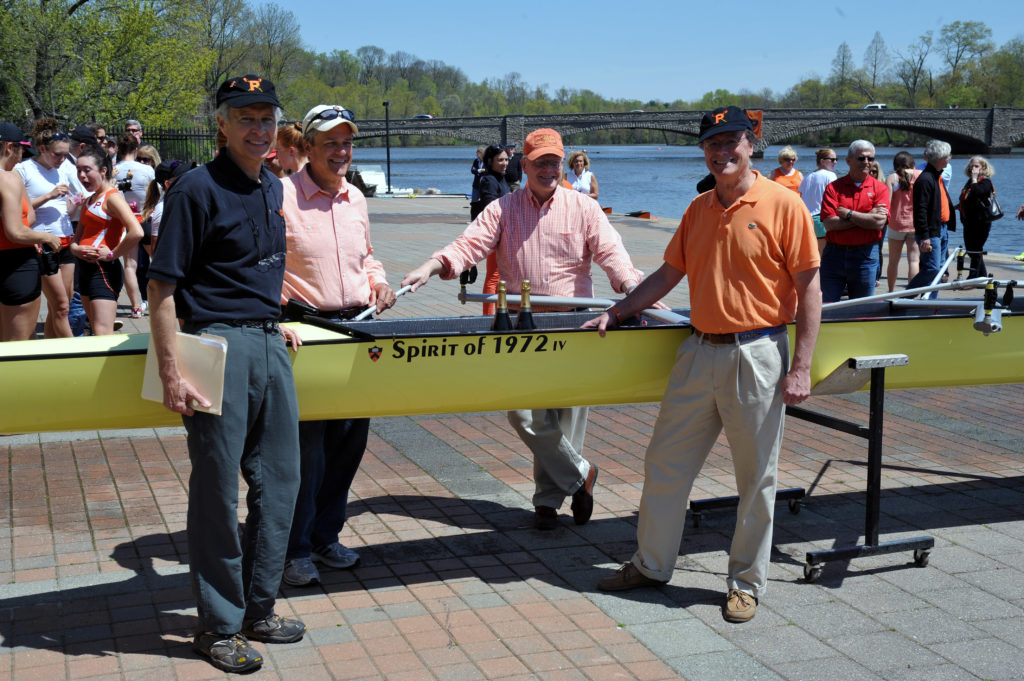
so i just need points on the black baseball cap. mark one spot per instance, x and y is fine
(83, 133)
(723, 119)
(171, 168)
(245, 90)
(9, 132)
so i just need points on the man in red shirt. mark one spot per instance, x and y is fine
(854, 209)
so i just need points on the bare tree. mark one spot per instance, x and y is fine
(876, 60)
(276, 41)
(371, 63)
(843, 74)
(222, 25)
(911, 67)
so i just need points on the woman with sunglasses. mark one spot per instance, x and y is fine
(812, 188)
(132, 178)
(20, 283)
(492, 186)
(148, 155)
(786, 174)
(107, 230)
(49, 188)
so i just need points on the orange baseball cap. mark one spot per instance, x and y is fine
(542, 142)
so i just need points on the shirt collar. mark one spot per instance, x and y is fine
(310, 188)
(224, 166)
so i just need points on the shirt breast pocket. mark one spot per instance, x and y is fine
(305, 242)
(567, 244)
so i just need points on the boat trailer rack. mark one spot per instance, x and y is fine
(848, 377)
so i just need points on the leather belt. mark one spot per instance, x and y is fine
(741, 337)
(295, 313)
(268, 325)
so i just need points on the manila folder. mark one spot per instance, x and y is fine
(201, 363)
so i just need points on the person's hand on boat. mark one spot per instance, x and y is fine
(291, 337)
(419, 276)
(382, 296)
(796, 386)
(607, 320)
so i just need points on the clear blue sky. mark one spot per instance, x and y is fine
(640, 49)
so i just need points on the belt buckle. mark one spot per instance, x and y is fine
(269, 325)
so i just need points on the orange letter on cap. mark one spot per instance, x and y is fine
(719, 117)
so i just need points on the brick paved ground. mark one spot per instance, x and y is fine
(455, 583)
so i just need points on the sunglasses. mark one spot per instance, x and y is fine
(330, 115)
(862, 159)
(144, 159)
(60, 137)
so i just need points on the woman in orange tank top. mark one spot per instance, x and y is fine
(20, 285)
(107, 230)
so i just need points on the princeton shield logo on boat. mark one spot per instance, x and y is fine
(375, 353)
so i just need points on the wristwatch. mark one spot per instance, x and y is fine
(849, 214)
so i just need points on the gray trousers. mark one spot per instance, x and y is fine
(555, 436)
(235, 579)
(738, 388)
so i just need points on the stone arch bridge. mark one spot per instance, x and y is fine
(989, 131)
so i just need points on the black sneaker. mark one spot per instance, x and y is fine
(274, 629)
(230, 652)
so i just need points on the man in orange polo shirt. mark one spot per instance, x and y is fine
(854, 209)
(751, 256)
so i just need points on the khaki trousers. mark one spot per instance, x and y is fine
(555, 436)
(736, 387)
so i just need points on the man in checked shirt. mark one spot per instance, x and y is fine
(548, 235)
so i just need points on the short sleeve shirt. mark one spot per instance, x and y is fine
(844, 194)
(222, 243)
(740, 260)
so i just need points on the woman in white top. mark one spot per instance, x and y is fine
(579, 175)
(49, 190)
(132, 179)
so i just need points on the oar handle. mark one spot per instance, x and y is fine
(370, 310)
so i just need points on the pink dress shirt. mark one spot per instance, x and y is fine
(330, 263)
(552, 244)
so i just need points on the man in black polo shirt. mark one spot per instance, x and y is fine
(219, 266)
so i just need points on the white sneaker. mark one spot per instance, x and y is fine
(336, 556)
(300, 572)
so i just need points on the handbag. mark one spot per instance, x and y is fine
(991, 207)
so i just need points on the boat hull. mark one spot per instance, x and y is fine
(454, 365)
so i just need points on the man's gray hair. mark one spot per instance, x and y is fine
(857, 145)
(936, 150)
(132, 121)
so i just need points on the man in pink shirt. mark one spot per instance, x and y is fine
(330, 268)
(548, 235)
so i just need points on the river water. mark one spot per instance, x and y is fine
(662, 179)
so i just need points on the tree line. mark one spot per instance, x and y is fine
(159, 61)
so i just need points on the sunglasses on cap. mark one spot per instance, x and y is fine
(330, 115)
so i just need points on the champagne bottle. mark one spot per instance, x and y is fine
(524, 322)
(502, 320)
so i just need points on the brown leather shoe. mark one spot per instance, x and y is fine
(545, 518)
(739, 606)
(583, 498)
(625, 578)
